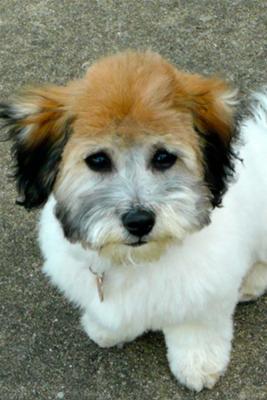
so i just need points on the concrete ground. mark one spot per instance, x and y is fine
(44, 353)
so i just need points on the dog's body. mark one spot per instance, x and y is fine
(191, 292)
(134, 161)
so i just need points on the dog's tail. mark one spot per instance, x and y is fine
(259, 107)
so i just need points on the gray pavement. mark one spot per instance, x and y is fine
(44, 353)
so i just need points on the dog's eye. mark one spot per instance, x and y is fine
(163, 160)
(99, 162)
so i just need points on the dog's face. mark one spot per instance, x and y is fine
(136, 154)
(129, 197)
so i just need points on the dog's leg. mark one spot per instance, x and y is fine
(101, 336)
(255, 283)
(198, 353)
(106, 337)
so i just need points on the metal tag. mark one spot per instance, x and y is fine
(99, 284)
(100, 287)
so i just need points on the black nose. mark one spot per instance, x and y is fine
(138, 222)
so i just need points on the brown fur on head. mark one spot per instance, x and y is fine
(127, 98)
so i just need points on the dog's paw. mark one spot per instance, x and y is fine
(198, 368)
(102, 337)
(199, 353)
(195, 377)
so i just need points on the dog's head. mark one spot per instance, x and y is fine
(136, 153)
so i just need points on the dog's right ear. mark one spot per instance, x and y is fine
(212, 104)
(39, 124)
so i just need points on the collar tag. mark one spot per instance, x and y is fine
(100, 287)
(99, 278)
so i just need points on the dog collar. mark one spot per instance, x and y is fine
(99, 278)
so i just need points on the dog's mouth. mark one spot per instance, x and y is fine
(137, 244)
(133, 252)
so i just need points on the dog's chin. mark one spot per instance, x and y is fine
(135, 253)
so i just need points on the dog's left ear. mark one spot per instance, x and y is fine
(39, 123)
(212, 101)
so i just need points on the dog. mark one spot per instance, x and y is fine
(154, 201)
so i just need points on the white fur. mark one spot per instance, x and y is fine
(191, 292)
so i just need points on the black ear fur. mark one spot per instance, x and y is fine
(35, 166)
(36, 169)
(219, 163)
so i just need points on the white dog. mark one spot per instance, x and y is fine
(139, 228)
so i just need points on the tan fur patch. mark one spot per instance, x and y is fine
(131, 96)
(46, 112)
(134, 95)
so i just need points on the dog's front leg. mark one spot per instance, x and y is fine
(198, 352)
(105, 337)
(102, 336)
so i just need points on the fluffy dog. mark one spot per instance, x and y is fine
(139, 228)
